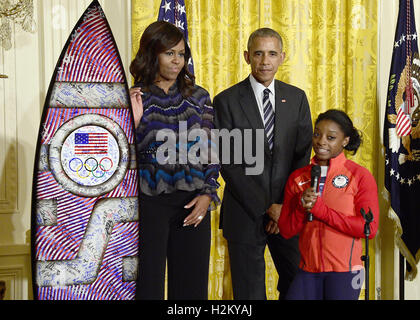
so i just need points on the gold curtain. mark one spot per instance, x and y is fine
(331, 52)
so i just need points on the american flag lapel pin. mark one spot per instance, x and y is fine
(283, 100)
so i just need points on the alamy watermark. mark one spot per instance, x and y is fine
(201, 146)
(358, 278)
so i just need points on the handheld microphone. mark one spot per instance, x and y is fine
(315, 175)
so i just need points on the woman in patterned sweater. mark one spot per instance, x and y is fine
(177, 182)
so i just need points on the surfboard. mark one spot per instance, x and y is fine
(84, 226)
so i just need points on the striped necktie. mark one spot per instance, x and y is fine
(268, 118)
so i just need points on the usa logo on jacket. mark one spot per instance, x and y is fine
(340, 181)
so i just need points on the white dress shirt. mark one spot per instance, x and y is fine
(258, 89)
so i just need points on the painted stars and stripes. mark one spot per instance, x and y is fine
(56, 117)
(89, 79)
(62, 240)
(91, 55)
(109, 284)
(268, 118)
(91, 143)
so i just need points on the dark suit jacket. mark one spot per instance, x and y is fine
(247, 197)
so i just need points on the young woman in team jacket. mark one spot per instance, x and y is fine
(330, 245)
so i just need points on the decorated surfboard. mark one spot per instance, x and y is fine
(84, 201)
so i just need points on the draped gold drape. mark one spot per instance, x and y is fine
(331, 51)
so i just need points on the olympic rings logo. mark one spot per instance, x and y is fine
(91, 166)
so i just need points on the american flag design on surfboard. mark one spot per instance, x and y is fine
(85, 184)
(92, 55)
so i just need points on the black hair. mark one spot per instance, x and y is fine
(346, 125)
(158, 37)
(264, 33)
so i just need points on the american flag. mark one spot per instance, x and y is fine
(173, 11)
(91, 143)
(403, 121)
(402, 167)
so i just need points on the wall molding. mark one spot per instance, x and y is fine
(8, 131)
(15, 250)
(15, 270)
(13, 277)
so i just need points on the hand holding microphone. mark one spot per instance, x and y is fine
(309, 195)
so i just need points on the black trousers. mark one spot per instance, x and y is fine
(164, 239)
(248, 266)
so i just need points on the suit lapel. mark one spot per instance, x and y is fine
(250, 109)
(249, 105)
(280, 123)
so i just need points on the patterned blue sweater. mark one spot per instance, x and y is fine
(172, 111)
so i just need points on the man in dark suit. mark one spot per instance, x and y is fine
(252, 203)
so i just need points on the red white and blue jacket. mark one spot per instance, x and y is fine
(332, 241)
